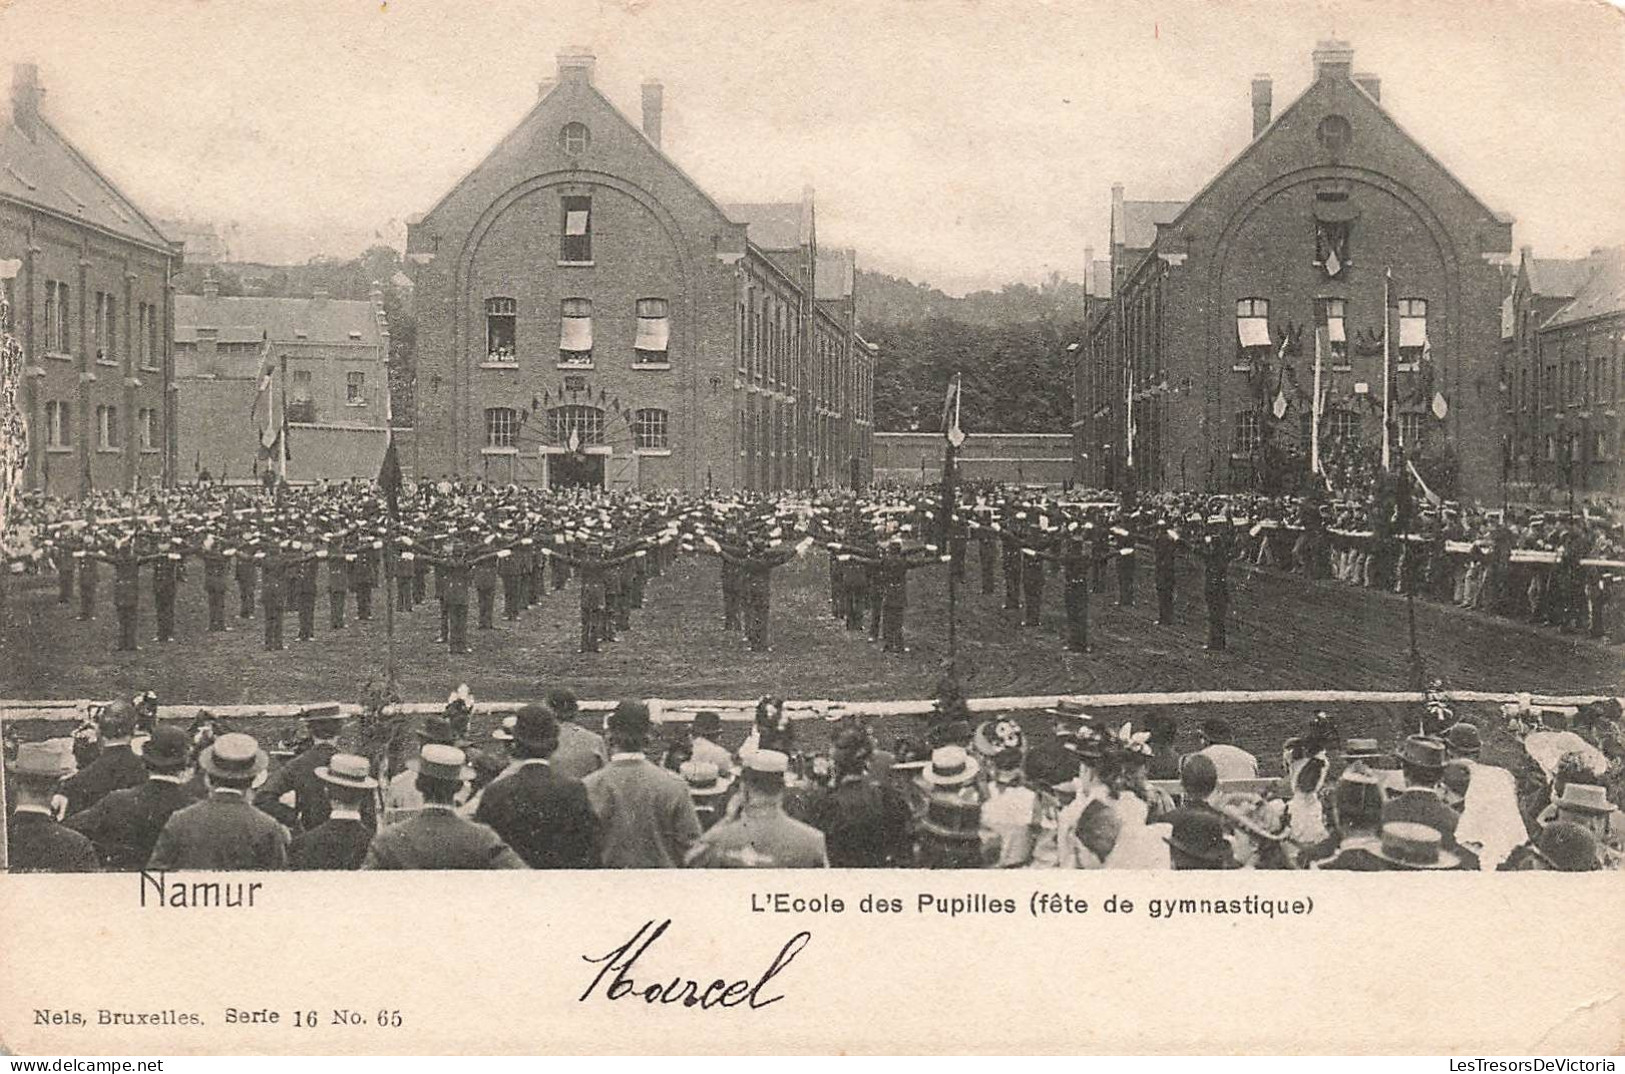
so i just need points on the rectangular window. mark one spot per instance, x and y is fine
(1343, 425)
(57, 317)
(576, 244)
(501, 330)
(575, 332)
(152, 336)
(8, 297)
(1252, 326)
(654, 330)
(1333, 315)
(105, 327)
(649, 427)
(107, 428)
(355, 389)
(1332, 246)
(1413, 333)
(501, 427)
(58, 430)
(1410, 431)
(1247, 432)
(301, 400)
(147, 428)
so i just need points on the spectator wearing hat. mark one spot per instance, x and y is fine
(224, 831)
(35, 841)
(1357, 803)
(949, 819)
(1015, 814)
(1561, 846)
(759, 834)
(126, 823)
(340, 841)
(708, 785)
(707, 728)
(646, 817)
(1587, 805)
(114, 768)
(865, 821)
(543, 815)
(435, 836)
(1196, 840)
(307, 807)
(1422, 761)
(1229, 760)
(401, 795)
(580, 752)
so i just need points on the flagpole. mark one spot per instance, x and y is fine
(282, 429)
(1387, 368)
(950, 462)
(1314, 412)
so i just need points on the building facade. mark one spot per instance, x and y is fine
(1564, 376)
(1202, 362)
(91, 307)
(329, 361)
(588, 316)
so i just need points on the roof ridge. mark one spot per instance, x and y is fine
(119, 197)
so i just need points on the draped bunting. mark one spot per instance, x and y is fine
(1253, 331)
(654, 333)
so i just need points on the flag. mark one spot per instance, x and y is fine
(1432, 497)
(1279, 408)
(1333, 265)
(950, 412)
(1440, 407)
(266, 413)
(389, 479)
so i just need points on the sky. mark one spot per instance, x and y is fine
(962, 143)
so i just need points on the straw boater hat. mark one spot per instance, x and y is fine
(950, 767)
(705, 779)
(41, 762)
(440, 761)
(1414, 846)
(347, 770)
(234, 756)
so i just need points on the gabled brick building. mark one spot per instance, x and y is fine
(587, 315)
(1217, 303)
(91, 306)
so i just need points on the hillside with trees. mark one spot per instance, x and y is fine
(1009, 345)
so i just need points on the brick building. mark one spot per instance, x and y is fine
(587, 315)
(1564, 376)
(91, 307)
(332, 354)
(1217, 302)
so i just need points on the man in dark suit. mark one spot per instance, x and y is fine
(115, 768)
(36, 843)
(125, 824)
(435, 837)
(224, 831)
(543, 815)
(341, 841)
(1421, 761)
(297, 777)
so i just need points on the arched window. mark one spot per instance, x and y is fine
(583, 424)
(501, 427)
(574, 138)
(649, 429)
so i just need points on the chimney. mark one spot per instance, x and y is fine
(1526, 253)
(1117, 214)
(25, 97)
(1371, 84)
(654, 100)
(575, 65)
(1263, 98)
(1334, 59)
(211, 289)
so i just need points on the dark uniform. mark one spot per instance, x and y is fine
(338, 583)
(245, 570)
(89, 576)
(1075, 565)
(168, 568)
(1164, 548)
(1126, 557)
(304, 579)
(217, 564)
(1216, 580)
(274, 570)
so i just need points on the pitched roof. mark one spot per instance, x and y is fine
(1602, 293)
(773, 225)
(1137, 230)
(835, 272)
(250, 319)
(1557, 277)
(47, 172)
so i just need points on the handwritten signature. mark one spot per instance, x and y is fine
(617, 965)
